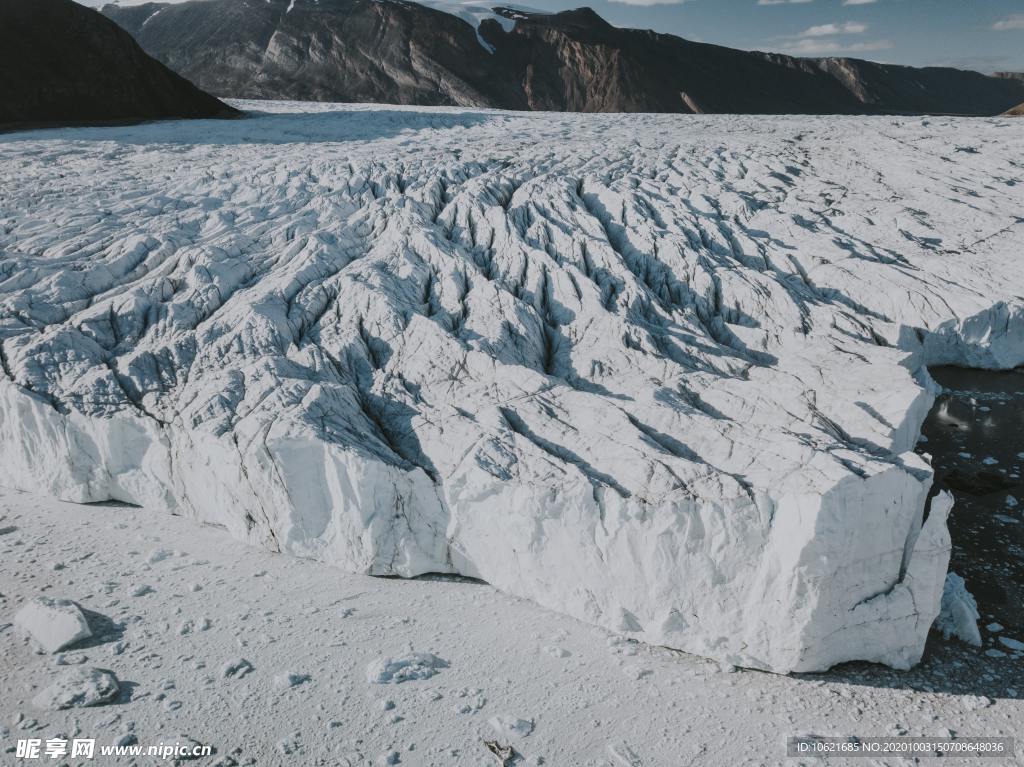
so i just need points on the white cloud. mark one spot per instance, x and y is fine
(827, 46)
(827, 40)
(859, 2)
(826, 30)
(1013, 21)
(783, 2)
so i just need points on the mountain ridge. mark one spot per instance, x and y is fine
(62, 63)
(402, 52)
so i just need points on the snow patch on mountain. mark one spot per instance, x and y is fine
(662, 373)
(475, 13)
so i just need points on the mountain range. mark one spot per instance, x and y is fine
(411, 53)
(61, 63)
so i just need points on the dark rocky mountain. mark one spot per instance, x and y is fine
(62, 63)
(402, 52)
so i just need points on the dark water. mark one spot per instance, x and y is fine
(975, 435)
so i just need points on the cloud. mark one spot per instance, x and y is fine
(986, 64)
(822, 40)
(859, 2)
(828, 46)
(1013, 21)
(783, 2)
(826, 30)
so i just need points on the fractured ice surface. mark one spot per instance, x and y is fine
(662, 373)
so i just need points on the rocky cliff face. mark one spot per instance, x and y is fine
(63, 63)
(400, 52)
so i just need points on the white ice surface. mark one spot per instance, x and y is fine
(607, 701)
(662, 373)
(958, 612)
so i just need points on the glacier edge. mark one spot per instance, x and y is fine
(580, 391)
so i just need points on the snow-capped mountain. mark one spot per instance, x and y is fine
(474, 54)
(61, 63)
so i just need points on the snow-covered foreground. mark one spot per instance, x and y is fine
(274, 660)
(660, 373)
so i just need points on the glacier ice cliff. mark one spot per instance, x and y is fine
(661, 373)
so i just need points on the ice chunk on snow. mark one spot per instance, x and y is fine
(159, 555)
(1013, 644)
(404, 668)
(79, 687)
(236, 669)
(511, 726)
(53, 623)
(958, 614)
(290, 679)
(623, 756)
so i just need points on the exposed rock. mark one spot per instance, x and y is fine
(391, 51)
(504, 754)
(1017, 111)
(53, 623)
(62, 63)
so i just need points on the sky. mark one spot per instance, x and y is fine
(986, 35)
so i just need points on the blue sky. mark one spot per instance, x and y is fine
(986, 35)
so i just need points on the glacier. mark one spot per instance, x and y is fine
(662, 373)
